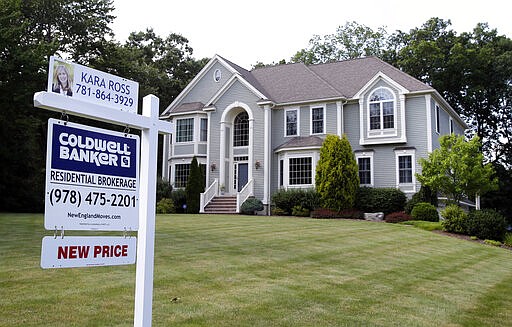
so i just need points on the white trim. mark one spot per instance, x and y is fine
(403, 134)
(193, 134)
(209, 137)
(306, 148)
(267, 155)
(374, 133)
(428, 109)
(235, 77)
(437, 114)
(403, 153)
(195, 80)
(340, 128)
(366, 154)
(371, 82)
(324, 118)
(297, 110)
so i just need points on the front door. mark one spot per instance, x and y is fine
(243, 175)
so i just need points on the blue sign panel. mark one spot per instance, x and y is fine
(87, 151)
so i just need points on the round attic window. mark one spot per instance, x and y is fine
(217, 75)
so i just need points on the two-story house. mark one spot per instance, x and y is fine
(258, 131)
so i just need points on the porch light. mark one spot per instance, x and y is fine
(257, 164)
(213, 166)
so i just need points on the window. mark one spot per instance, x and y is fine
(451, 126)
(181, 173)
(438, 112)
(291, 122)
(405, 169)
(281, 172)
(185, 130)
(204, 130)
(365, 173)
(241, 130)
(300, 171)
(382, 109)
(317, 120)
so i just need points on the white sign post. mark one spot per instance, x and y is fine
(150, 125)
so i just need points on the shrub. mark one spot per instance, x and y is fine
(397, 217)
(455, 219)
(425, 194)
(195, 185)
(493, 242)
(351, 214)
(385, 200)
(287, 199)
(163, 189)
(179, 197)
(425, 211)
(300, 211)
(165, 205)
(487, 224)
(251, 205)
(508, 239)
(276, 211)
(325, 213)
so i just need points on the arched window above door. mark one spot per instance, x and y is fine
(241, 130)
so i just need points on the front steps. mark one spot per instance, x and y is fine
(224, 204)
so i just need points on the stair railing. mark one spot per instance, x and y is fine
(244, 193)
(208, 195)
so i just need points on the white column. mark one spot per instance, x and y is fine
(146, 232)
(339, 111)
(267, 155)
(222, 156)
(251, 147)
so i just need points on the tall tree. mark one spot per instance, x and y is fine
(195, 185)
(337, 174)
(351, 40)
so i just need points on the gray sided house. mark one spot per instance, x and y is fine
(258, 131)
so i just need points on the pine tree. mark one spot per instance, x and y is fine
(195, 185)
(337, 177)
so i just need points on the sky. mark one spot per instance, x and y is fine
(247, 32)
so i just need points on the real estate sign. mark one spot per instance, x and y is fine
(93, 86)
(87, 251)
(92, 178)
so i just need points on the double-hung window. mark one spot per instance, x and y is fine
(300, 171)
(438, 113)
(181, 173)
(365, 166)
(185, 130)
(405, 169)
(317, 120)
(291, 122)
(382, 109)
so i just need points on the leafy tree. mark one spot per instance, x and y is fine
(456, 169)
(195, 185)
(351, 40)
(162, 66)
(337, 177)
(31, 31)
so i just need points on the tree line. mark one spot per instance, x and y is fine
(472, 70)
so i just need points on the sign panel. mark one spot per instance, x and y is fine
(91, 85)
(87, 251)
(92, 178)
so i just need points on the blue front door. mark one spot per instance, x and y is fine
(243, 175)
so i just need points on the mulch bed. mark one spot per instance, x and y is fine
(468, 238)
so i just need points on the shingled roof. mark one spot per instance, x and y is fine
(295, 83)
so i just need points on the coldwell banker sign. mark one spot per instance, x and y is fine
(91, 85)
(92, 178)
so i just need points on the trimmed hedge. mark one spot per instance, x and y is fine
(287, 199)
(385, 200)
(425, 211)
(165, 205)
(251, 205)
(487, 225)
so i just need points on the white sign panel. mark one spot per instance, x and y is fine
(91, 85)
(87, 251)
(92, 178)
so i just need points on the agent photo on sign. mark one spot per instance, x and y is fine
(62, 79)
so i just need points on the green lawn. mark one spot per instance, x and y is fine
(265, 271)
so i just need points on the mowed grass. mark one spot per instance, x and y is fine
(265, 271)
